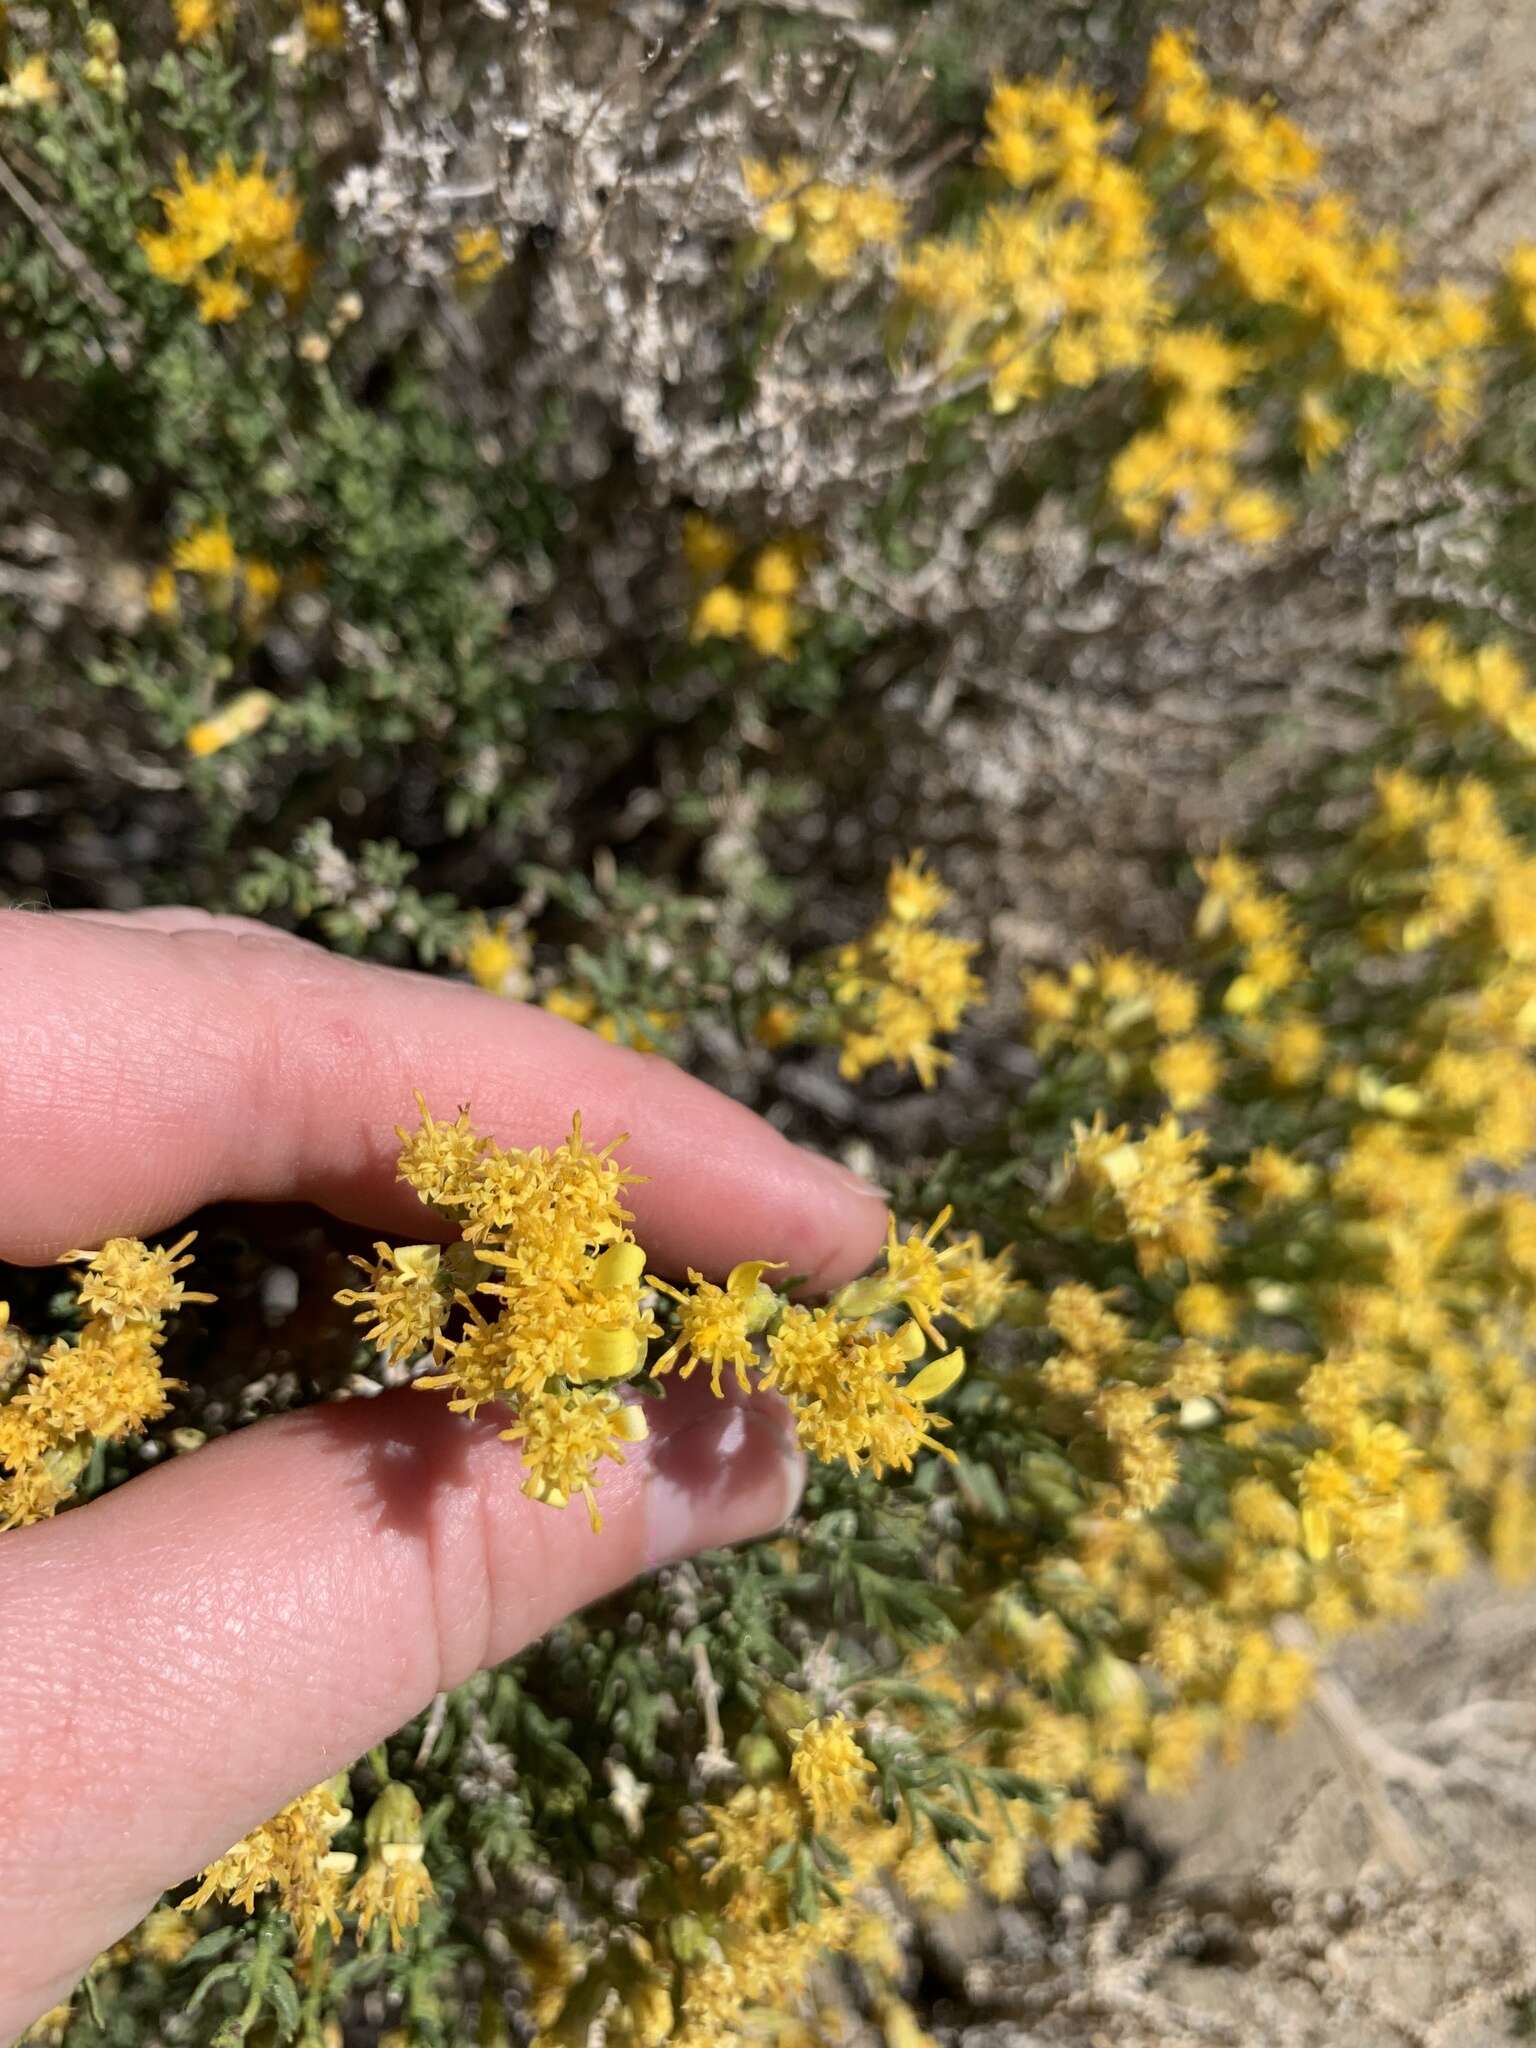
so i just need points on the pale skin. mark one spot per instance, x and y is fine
(183, 1656)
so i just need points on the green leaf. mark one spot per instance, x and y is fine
(211, 1944)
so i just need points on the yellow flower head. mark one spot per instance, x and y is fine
(716, 1325)
(720, 614)
(325, 24)
(242, 716)
(498, 957)
(199, 20)
(29, 83)
(128, 1282)
(478, 255)
(708, 548)
(290, 1854)
(206, 551)
(829, 1770)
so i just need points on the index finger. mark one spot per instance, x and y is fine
(145, 1072)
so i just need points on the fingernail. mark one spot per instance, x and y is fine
(735, 1475)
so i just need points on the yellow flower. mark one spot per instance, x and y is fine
(1294, 1046)
(478, 255)
(127, 1282)
(1319, 430)
(776, 571)
(841, 1377)
(1205, 1310)
(405, 1307)
(1255, 517)
(576, 1005)
(394, 1883)
(498, 957)
(325, 24)
(29, 83)
(720, 614)
(1276, 1178)
(913, 894)
(161, 595)
(708, 548)
(105, 1384)
(769, 625)
(1198, 361)
(1176, 1750)
(198, 20)
(777, 1026)
(1083, 1320)
(1072, 1827)
(1187, 1070)
(289, 1854)
(220, 299)
(716, 1325)
(563, 1435)
(242, 216)
(206, 551)
(829, 1770)
(242, 716)
(393, 1886)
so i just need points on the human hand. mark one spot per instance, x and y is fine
(183, 1656)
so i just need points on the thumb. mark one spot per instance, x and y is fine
(280, 1601)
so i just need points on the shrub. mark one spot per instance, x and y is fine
(457, 471)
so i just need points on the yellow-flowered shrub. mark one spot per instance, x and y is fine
(530, 540)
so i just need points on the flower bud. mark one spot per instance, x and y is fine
(395, 1816)
(759, 1758)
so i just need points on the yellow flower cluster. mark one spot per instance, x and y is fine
(1489, 684)
(1061, 288)
(758, 606)
(1310, 264)
(1191, 246)
(291, 1855)
(1239, 149)
(207, 557)
(1241, 922)
(1187, 463)
(828, 226)
(548, 1252)
(1299, 1384)
(29, 83)
(220, 576)
(544, 1306)
(102, 1385)
(740, 1951)
(905, 984)
(224, 235)
(1138, 1018)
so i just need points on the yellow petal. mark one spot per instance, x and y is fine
(620, 1266)
(630, 1424)
(742, 1280)
(937, 1378)
(418, 1261)
(864, 1297)
(1316, 1531)
(609, 1354)
(911, 1342)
